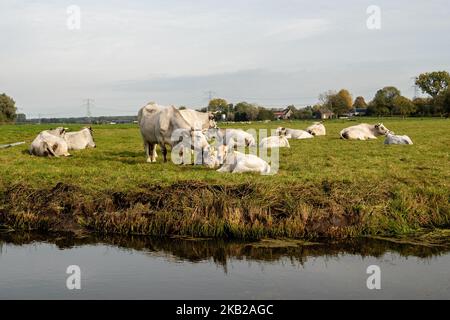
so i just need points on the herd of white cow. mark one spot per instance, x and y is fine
(188, 131)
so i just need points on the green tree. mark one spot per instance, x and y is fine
(360, 103)
(304, 113)
(218, 104)
(244, 111)
(446, 101)
(383, 102)
(433, 83)
(424, 106)
(265, 114)
(403, 106)
(7, 109)
(440, 104)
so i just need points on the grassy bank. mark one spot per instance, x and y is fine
(325, 187)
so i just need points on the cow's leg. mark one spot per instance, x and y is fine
(148, 152)
(225, 168)
(155, 155)
(152, 152)
(181, 155)
(164, 152)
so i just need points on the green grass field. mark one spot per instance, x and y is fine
(357, 187)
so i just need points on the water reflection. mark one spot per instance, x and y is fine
(221, 251)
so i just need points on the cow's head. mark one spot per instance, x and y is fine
(91, 141)
(198, 139)
(280, 131)
(380, 129)
(59, 132)
(212, 121)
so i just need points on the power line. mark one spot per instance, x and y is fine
(210, 94)
(416, 87)
(88, 103)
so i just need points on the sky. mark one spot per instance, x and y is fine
(275, 53)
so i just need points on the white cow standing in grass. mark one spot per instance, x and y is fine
(50, 143)
(163, 126)
(364, 131)
(195, 118)
(237, 162)
(79, 140)
(391, 138)
(317, 129)
(294, 134)
(274, 142)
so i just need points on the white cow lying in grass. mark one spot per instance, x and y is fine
(238, 138)
(50, 143)
(79, 140)
(231, 137)
(237, 162)
(293, 134)
(317, 129)
(364, 131)
(391, 138)
(274, 142)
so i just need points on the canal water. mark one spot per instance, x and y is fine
(35, 267)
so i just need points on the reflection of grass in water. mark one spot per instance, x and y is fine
(436, 237)
(326, 187)
(220, 251)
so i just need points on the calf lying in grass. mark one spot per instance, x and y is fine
(391, 138)
(317, 129)
(237, 162)
(275, 142)
(294, 134)
(364, 131)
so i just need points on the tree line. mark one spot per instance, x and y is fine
(387, 101)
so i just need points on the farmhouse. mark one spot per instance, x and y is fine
(284, 114)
